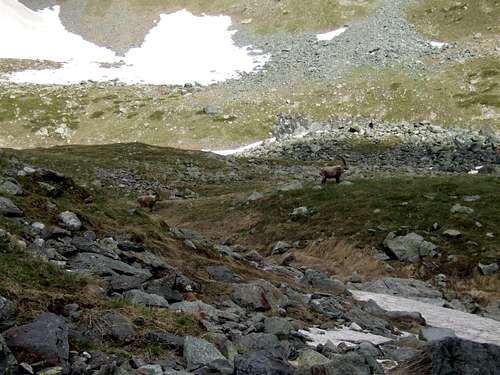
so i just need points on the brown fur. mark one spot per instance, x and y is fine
(148, 201)
(333, 172)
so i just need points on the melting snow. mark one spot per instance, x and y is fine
(343, 335)
(330, 35)
(468, 326)
(437, 44)
(180, 48)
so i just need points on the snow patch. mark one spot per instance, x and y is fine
(331, 34)
(436, 44)
(344, 335)
(180, 48)
(467, 326)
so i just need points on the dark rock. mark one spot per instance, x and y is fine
(8, 363)
(165, 287)
(223, 274)
(406, 318)
(452, 356)
(90, 246)
(351, 363)
(167, 339)
(50, 175)
(408, 288)
(117, 327)
(131, 246)
(260, 341)
(7, 312)
(146, 258)
(259, 295)
(321, 281)
(8, 208)
(261, 363)
(120, 275)
(278, 326)
(50, 190)
(44, 340)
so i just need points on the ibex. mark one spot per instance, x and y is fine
(333, 171)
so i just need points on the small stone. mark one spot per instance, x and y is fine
(356, 278)
(70, 221)
(300, 212)
(458, 208)
(488, 269)
(471, 198)
(280, 247)
(452, 233)
(255, 196)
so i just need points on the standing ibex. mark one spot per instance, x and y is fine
(149, 200)
(333, 171)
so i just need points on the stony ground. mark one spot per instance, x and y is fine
(247, 264)
(227, 275)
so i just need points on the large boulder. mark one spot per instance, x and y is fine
(139, 297)
(278, 326)
(199, 352)
(321, 281)
(410, 248)
(259, 341)
(8, 208)
(309, 358)
(342, 364)
(10, 186)
(120, 275)
(261, 363)
(43, 340)
(223, 274)
(408, 288)
(259, 295)
(117, 327)
(453, 356)
(8, 362)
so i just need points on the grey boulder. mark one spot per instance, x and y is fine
(410, 248)
(261, 363)
(69, 220)
(8, 362)
(7, 311)
(453, 356)
(434, 333)
(43, 340)
(8, 208)
(139, 297)
(259, 295)
(199, 352)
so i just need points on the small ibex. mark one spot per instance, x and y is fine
(149, 200)
(333, 172)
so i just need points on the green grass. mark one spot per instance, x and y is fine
(269, 16)
(453, 20)
(404, 205)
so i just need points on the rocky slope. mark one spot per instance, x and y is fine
(93, 284)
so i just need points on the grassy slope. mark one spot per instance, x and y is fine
(270, 16)
(463, 93)
(454, 20)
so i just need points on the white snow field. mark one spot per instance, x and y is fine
(180, 48)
